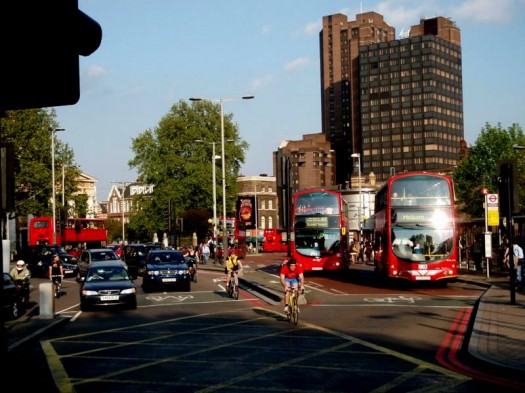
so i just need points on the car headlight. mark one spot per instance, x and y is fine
(128, 291)
(86, 292)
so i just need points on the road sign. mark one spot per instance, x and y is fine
(492, 209)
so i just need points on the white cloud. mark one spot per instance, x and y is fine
(310, 29)
(95, 72)
(259, 83)
(297, 64)
(266, 29)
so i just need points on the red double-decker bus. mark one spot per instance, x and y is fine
(319, 238)
(273, 240)
(415, 236)
(236, 232)
(73, 232)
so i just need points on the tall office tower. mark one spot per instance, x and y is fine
(412, 101)
(402, 107)
(340, 41)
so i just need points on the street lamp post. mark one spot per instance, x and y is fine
(223, 158)
(214, 182)
(359, 227)
(123, 185)
(256, 221)
(53, 181)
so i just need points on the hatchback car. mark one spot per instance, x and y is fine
(107, 284)
(94, 256)
(166, 268)
(10, 304)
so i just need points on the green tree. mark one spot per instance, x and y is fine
(479, 169)
(180, 168)
(30, 132)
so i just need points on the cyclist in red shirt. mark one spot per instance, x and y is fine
(292, 276)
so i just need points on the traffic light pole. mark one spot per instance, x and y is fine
(506, 190)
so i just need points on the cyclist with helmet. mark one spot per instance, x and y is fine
(292, 276)
(56, 273)
(22, 275)
(233, 264)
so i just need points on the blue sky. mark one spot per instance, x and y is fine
(157, 52)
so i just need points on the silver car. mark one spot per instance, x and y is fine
(90, 257)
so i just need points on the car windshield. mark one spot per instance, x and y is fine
(104, 256)
(164, 257)
(107, 274)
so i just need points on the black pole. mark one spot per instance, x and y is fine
(506, 189)
(288, 203)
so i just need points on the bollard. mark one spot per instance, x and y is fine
(47, 300)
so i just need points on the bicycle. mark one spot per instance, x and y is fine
(193, 274)
(293, 307)
(233, 286)
(57, 284)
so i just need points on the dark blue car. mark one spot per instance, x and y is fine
(166, 269)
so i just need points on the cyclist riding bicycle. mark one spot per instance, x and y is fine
(56, 272)
(232, 264)
(22, 275)
(292, 276)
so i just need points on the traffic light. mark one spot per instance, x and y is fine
(508, 192)
(40, 42)
(167, 216)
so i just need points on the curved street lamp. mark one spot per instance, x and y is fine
(221, 101)
(214, 183)
(359, 227)
(53, 202)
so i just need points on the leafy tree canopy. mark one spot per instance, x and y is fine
(30, 132)
(169, 158)
(479, 169)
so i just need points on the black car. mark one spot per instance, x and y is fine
(166, 268)
(10, 304)
(39, 257)
(107, 284)
(135, 257)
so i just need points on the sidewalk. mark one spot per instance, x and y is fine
(498, 333)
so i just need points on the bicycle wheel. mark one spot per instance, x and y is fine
(294, 310)
(235, 291)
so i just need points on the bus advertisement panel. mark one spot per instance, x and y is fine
(415, 236)
(319, 238)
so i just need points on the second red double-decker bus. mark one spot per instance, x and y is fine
(414, 228)
(236, 232)
(320, 233)
(273, 240)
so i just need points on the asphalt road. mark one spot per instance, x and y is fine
(352, 336)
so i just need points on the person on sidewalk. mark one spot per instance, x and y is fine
(517, 252)
(505, 263)
(477, 254)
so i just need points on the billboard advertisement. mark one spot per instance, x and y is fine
(246, 213)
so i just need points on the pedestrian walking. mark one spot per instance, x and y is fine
(517, 252)
(477, 254)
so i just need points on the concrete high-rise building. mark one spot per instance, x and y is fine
(397, 102)
(340, 41)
